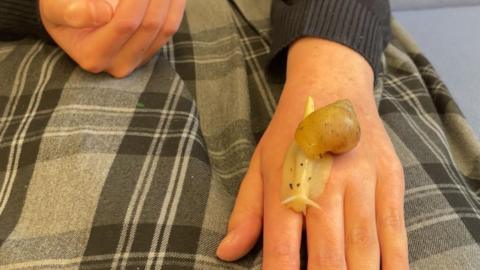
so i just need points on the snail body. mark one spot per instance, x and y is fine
(303, 178)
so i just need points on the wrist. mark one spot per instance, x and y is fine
(314, 61)
(328, 71)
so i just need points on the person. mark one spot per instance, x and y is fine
(104, 173)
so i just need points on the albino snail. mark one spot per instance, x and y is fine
(307, 164)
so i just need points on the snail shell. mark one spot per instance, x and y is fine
(333, 128)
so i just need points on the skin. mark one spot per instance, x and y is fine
(361, 216)
(113, 36)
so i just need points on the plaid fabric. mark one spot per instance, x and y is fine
(142, 173)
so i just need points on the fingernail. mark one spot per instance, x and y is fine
(102, 12)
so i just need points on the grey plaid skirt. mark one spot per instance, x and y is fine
(142, 173)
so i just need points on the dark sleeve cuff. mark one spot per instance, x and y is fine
(365, 29)
(19, 18)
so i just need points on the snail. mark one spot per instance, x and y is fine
(333, 129)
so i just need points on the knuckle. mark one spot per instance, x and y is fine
(334, 204)
(400, 256)
(396, 258)
(155, 48)
(286, 254)
(152, 24)
(120, 72)
(169, 30)
(362, 235)
(397, 169)
(127, 26)
(328, 259)
(91, 65)
(392, 165)
(392, 218)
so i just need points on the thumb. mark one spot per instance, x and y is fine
(77, 13)
(246, 220)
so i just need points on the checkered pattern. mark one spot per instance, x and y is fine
(142, 173)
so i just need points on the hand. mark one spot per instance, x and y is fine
(361, 209)
(115, 36)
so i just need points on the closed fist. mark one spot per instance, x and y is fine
(115, 36)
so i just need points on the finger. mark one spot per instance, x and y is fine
(362, 248)
(172, 23)
(77, 13)
(390, 217)
(282, 234)
(325, 230)
(282, 231)
(246, 220)
(132, 53)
